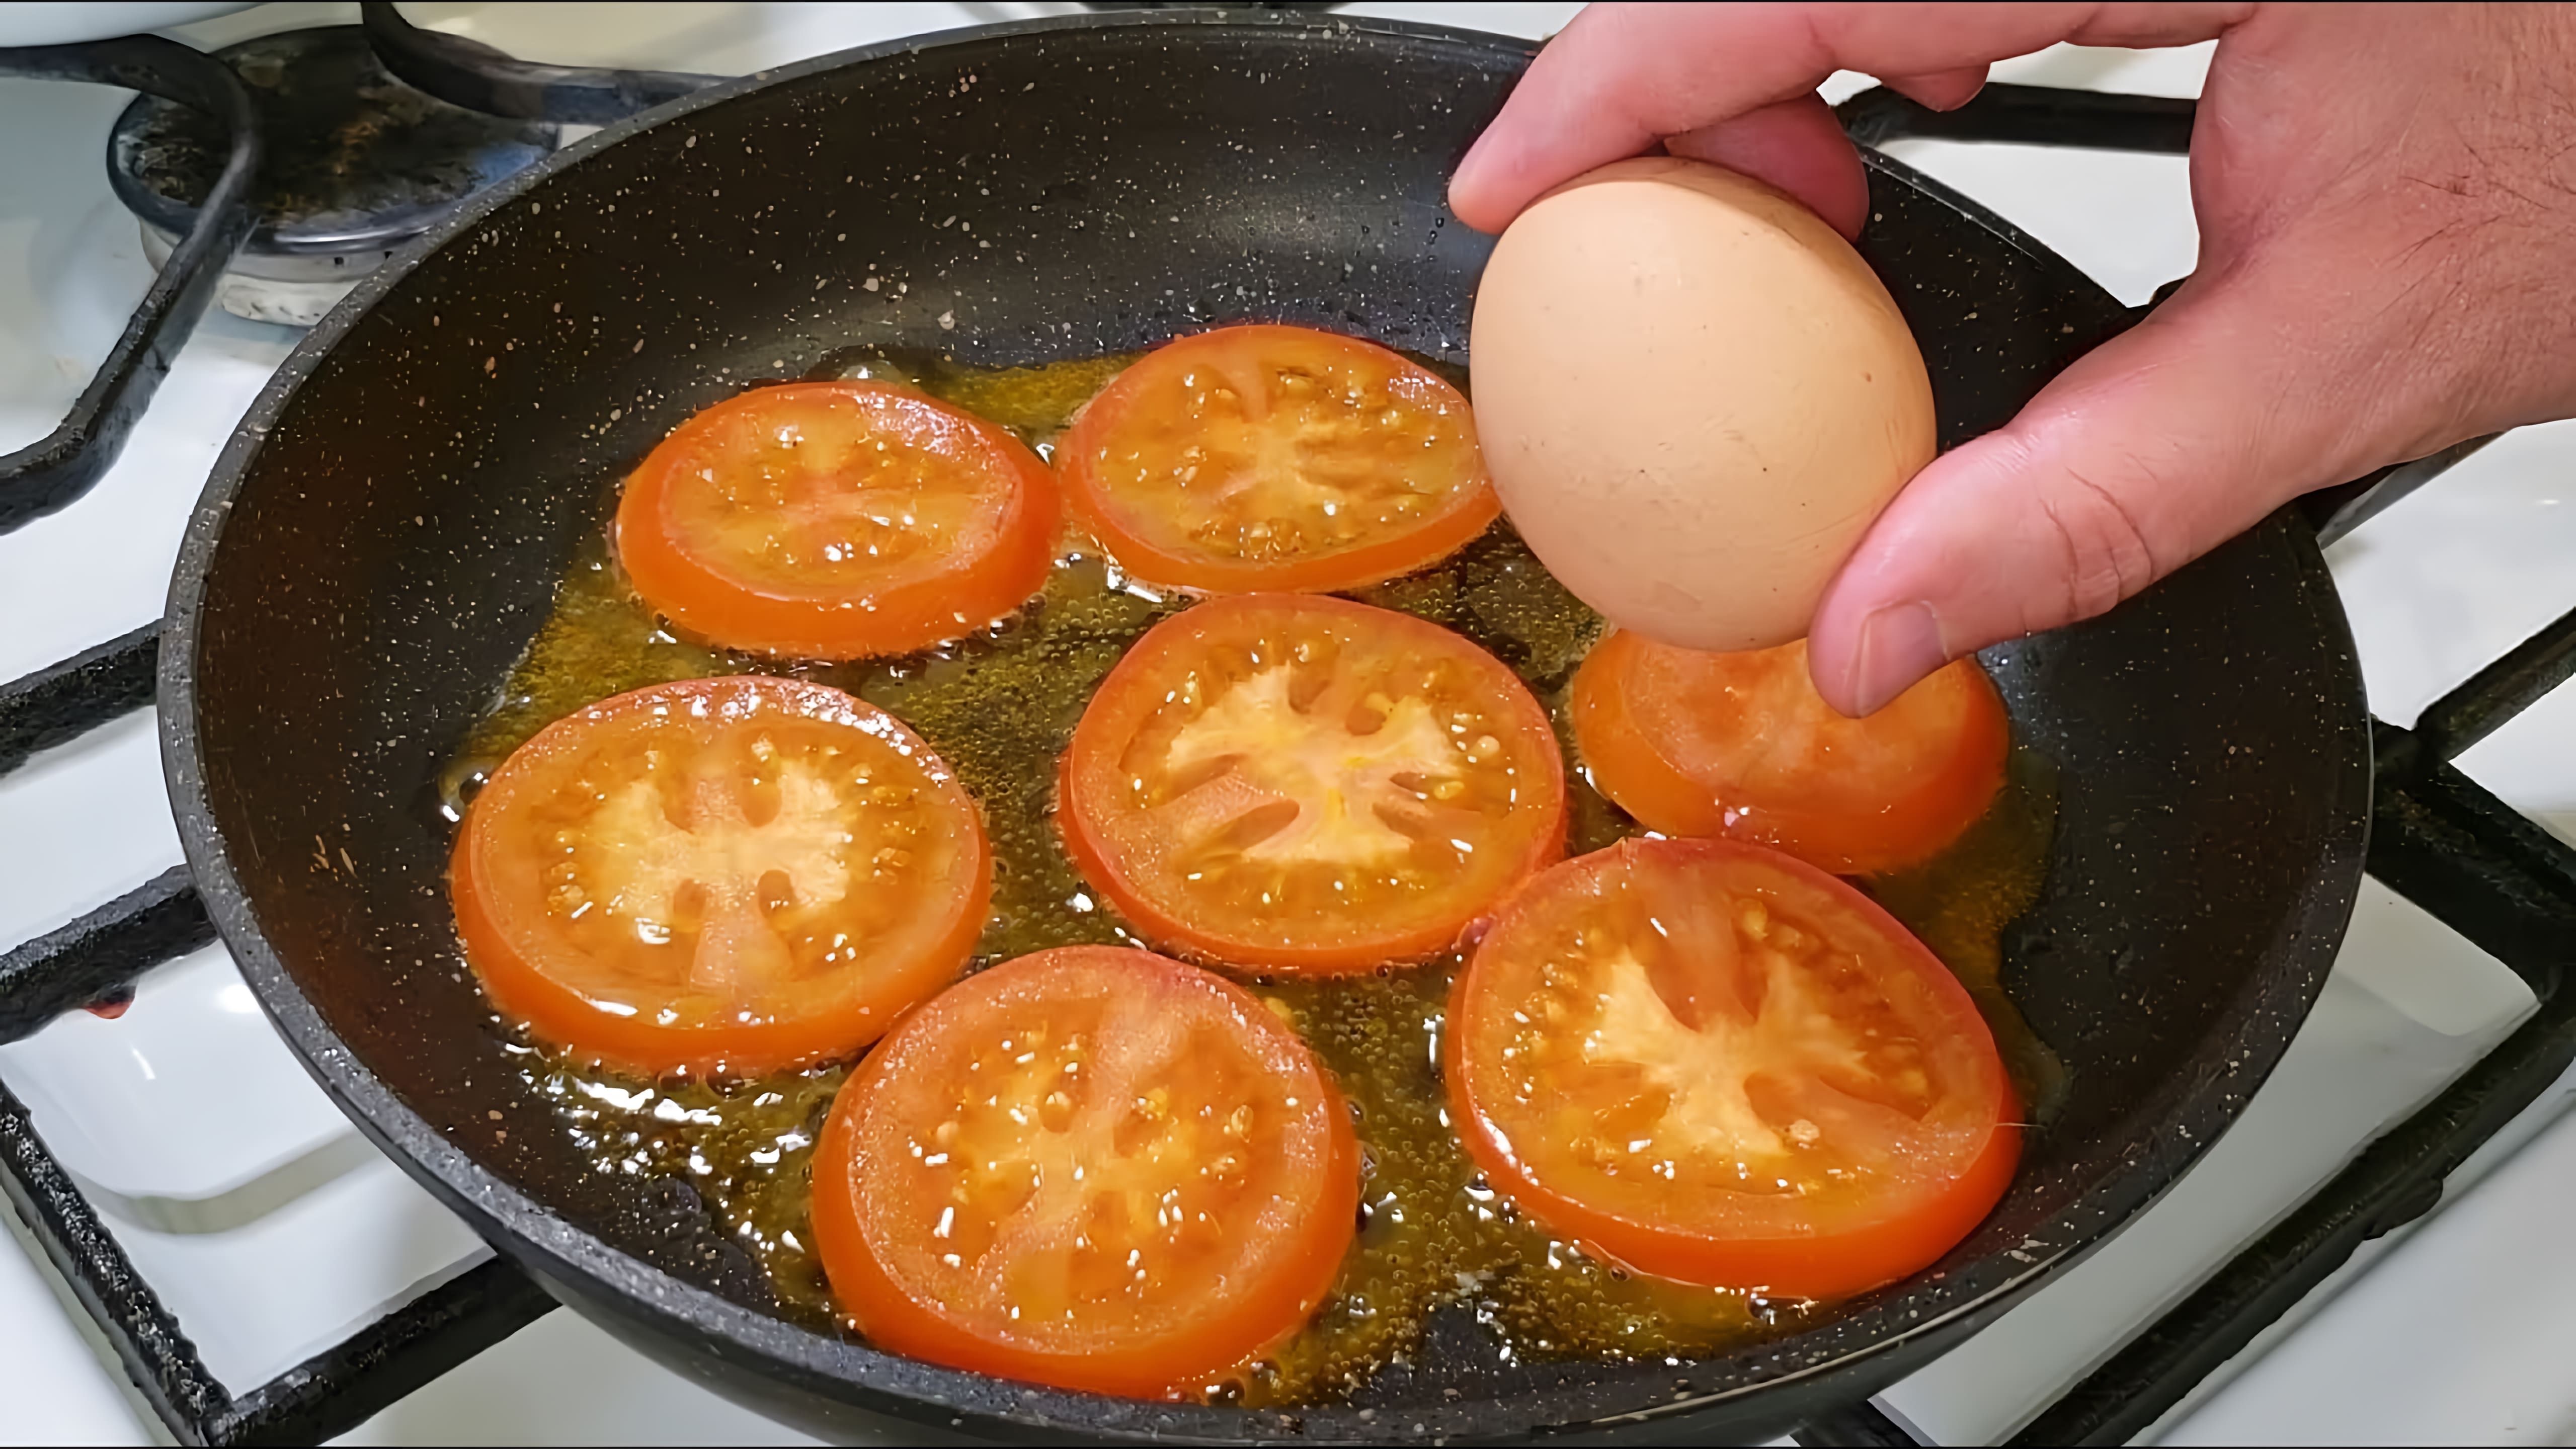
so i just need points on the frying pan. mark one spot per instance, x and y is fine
(381, 538)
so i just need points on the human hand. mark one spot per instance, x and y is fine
(2387, 207)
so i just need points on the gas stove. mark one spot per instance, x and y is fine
(271, 1233)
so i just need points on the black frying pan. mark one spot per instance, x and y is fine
(380, 539)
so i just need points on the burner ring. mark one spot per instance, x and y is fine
(358, 164)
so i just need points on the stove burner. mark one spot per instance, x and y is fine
(358, 164)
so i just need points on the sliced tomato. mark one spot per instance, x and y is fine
(837, 520)
(1253, 458)
(1715, 1063)
(724, 876)
(1742, 745)
(1092, 1167)
(1306, 784)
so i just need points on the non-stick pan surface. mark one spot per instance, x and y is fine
(380, 540)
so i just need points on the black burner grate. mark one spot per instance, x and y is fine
(2437, 838)
(48, 474)
(97, 958)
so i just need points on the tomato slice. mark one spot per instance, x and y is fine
(1253, 458)
(1309, 785)
(723, 876)
(1091, 1167)
(1742, 745)
(1717, 1064)
(837, 520)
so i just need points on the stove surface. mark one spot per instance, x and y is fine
(271, 1229)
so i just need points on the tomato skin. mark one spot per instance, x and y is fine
(1297, 1242)
(1833, 1248)
(1135, 411)
(1741, 745)
(1123, 858)
(964, 585)
(576, 996)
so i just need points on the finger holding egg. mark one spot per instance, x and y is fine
(1694, 397)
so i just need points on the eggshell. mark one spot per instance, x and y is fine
(1693, 396)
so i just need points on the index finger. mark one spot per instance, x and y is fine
(1622, 77)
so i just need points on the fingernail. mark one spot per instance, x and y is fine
(1899, 645)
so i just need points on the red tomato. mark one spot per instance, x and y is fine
(1716, 1064)
(722, 876)
(1309, 785)
(837, 520)
(1742, 745)
(1267, 457)
(1092, 1167)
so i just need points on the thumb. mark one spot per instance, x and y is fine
(2148, 452)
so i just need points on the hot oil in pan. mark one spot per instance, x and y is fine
(999, 708)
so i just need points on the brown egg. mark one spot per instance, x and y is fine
(1694, 396)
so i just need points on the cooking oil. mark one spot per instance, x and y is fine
(999, 707)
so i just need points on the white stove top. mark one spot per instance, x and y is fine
(271, 1230)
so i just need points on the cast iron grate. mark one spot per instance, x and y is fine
(54, 471)
(2437, 838)
(96, 959)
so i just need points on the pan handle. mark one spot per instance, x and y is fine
(471, 74)
(2338, 510)
(2109, 121)
(2032, 115)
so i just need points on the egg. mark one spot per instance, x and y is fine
(1693, 397)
